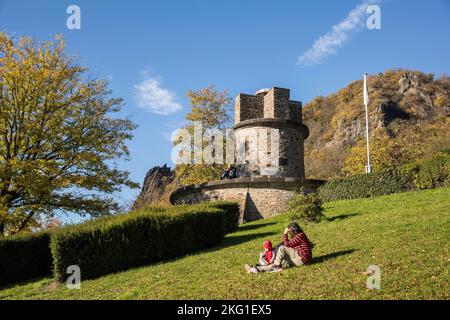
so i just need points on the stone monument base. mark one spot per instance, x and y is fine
(258, 197)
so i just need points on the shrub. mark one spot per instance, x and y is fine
(422, 174)
(231, 211)
(24, 257)
(374, 184)
(429, 173)
(149, 235)
(305, 207)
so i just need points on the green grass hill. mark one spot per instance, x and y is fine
(406, 235)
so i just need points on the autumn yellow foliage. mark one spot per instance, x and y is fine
(58, 136)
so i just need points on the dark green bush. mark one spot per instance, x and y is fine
(305, 207)
(24, 257)
(149, 235)
(365, 185)
(422, 174)
(231, 211)
(116, 243)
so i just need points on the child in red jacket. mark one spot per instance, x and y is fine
(265, 258)
(268, 256)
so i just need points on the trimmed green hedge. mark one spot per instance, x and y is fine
(24, 257)
(231, 211)
(365, 185)
(421, 174)
(118, 243)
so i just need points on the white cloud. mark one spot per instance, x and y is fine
(150, 96)
(328, 44)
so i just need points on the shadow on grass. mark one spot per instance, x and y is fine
(333, 255)
(22, 282)
(342, 217)
(231, 240)
(237, 240)
(254, 226)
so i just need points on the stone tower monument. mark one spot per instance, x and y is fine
(268, 148)
(269, 134)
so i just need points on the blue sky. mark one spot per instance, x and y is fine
(165, 48)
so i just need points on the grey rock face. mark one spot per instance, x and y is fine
(408, 81)
(154, 185)
(412, 102)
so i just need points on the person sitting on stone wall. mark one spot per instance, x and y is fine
(293, 253)
(229, 173)
(233, 173)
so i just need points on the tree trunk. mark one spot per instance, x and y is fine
(27, 219)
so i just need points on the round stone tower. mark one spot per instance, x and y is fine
(268, 152)
(269, 134)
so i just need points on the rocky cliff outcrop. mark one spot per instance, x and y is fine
(400, 100)
(155, 183)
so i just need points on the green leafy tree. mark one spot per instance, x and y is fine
(58, 140)
(212, 109)
(209, 106)
(381, 156)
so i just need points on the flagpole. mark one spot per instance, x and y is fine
(366, 104)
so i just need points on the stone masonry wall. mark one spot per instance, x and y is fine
(273, 104)
(295, 111)
(276, 104)
(257, 199)
(254, 152)
(248, 107)
(257, 203)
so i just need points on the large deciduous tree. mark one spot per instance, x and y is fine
(211, 108)
(58, 139)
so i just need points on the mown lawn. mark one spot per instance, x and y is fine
(407, 235)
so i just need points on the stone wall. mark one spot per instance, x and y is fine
(248, 107)
(295, 111)
(273, 104)
(256, 155)
(258, 197)
(276, 103)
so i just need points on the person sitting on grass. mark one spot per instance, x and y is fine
(294, 252)
(268, 256)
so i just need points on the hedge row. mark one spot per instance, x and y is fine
(231, 211)
(117, 243)
(24, 257)
(422, 174)
(135, 239)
